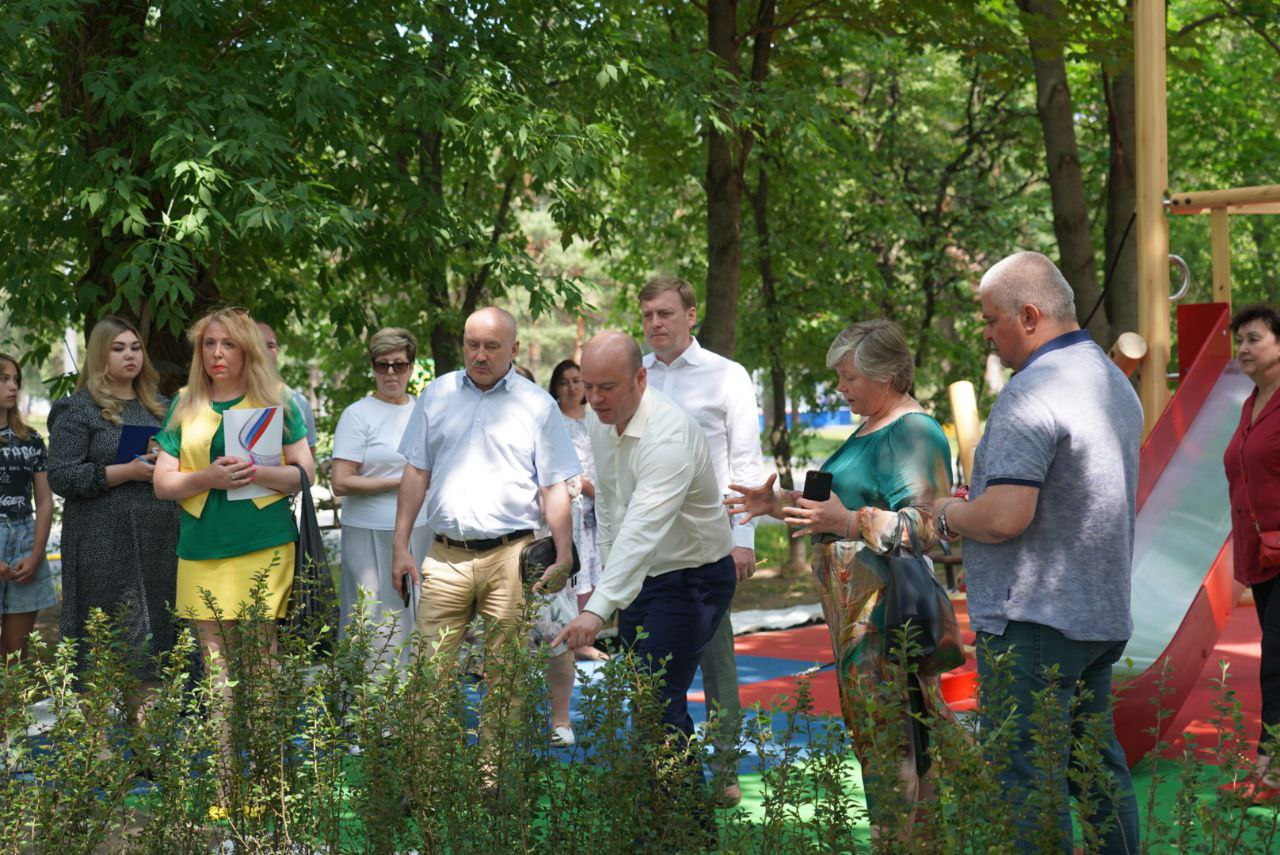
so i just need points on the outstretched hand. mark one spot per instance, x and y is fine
(762, 501)
(580, 631)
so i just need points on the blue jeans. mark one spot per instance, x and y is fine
(1083, 666)
(680, 611)
(17, 537)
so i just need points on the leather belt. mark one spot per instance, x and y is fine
(483, 544)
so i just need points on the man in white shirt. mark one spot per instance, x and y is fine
(720, 396)
(490, 454)
(663, 533)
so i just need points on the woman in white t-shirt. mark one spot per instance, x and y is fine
(366, 473)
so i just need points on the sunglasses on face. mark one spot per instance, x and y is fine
(382, 367)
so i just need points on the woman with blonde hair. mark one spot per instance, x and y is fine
(119, 541)
(26, 584)
(224, 544)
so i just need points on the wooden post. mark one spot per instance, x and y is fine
(964, 412)
(1128, 352)
(1152, 182)
(1220, 230)
(1245, 199)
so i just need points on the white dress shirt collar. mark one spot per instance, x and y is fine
(691, 355)
(640, 419)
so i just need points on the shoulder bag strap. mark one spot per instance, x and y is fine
(906, 520)
(308, 504)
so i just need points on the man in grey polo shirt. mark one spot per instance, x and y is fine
(1048, 527)
(490, 454)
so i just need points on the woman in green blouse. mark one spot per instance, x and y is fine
(226, 544)
(893, 466)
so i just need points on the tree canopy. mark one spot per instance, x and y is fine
(337, 167)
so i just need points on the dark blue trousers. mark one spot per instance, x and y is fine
(680, 611)
(1082, 666)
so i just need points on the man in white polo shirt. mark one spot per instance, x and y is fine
(720, 396)
(663, 533)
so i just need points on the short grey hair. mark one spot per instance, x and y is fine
(879, 351)
(389, 340)
(1029, 278)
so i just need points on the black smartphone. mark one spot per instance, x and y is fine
(817, 486)
(408, 592)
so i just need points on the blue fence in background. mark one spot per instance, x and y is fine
(839, 418)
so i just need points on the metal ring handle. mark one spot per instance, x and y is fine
(1179, 261)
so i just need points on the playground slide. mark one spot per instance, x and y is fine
(1183, 590)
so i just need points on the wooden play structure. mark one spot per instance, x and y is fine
(1183, 585)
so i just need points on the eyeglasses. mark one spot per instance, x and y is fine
(391, 367)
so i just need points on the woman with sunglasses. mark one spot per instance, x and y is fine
(366, 473)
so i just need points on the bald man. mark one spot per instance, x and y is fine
(663, 533)
(1048, 536)
(489, 453)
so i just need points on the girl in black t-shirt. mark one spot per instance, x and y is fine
(26, 584)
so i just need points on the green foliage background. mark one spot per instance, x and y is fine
(336, 168)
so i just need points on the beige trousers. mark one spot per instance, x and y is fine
(458, 584)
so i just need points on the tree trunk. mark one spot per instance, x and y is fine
(118, 30)
(445, 325)
(779, 435)
(719, 327)
(1121, 301)
(171, 352)
(1066, 183)
(443, 319)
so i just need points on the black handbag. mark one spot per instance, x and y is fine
(313, 604)
(914, 598)
(538, 556)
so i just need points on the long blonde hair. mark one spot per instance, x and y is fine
(16, 423)
(93, 376)
(260, 380)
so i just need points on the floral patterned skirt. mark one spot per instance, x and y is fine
(851, 587)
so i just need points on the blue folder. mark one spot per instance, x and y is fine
(133, 442)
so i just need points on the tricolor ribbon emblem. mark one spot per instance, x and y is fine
(253, 432)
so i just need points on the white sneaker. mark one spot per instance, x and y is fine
(562, 737)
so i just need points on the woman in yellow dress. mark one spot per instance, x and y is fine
(224, 544)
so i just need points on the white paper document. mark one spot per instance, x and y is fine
(255, 435)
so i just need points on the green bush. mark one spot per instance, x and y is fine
(348, 750)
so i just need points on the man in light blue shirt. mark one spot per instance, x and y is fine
(490, 454)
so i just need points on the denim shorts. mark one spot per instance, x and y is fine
(17, 536)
